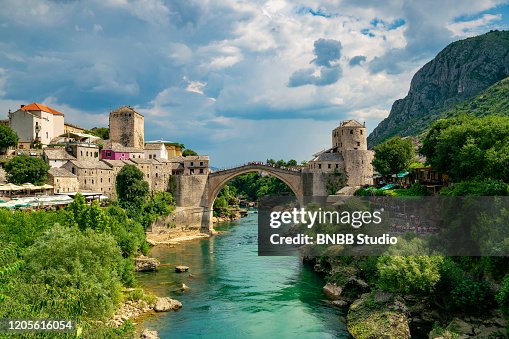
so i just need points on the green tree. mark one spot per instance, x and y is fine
(393, 155)
(292, 162)
(188, 152)
(101, 132)
(132, 190)
(469, 148)
(23, 169)
(8, 137)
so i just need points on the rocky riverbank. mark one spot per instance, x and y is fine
(374, 313)
(228, 214)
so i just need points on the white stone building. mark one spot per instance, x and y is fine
(156, 151)
(36, 122)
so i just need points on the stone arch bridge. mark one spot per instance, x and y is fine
(216, 180)
(195, 194)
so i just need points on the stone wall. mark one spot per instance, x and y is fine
(358, 167)
(191, 218)
(192, 190)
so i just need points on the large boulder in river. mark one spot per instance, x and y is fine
(332, 291)
(166, 304)
(144, 264)
(367, 319)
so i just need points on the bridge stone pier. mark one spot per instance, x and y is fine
(195, 194)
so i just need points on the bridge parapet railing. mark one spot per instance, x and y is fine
(257, 163)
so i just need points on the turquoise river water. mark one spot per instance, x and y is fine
(234, 293)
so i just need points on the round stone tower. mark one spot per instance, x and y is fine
(349, 135)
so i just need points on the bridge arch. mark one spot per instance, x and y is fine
(217, 180)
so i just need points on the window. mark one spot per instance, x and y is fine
(96, 154)
(358, 143)
(108, 154)
(337, 166)
(329, 166)
(87, 153)
(201, 163)
(92, 181)
(81, 153)
(85, 181)
(351, 131)
(192, 163)
(319, 166)
(156, 175)
(201, 170)
(47, 135)
(101, 179)
(109, 179)
(123, 154)
(73, 170)
(361, 132)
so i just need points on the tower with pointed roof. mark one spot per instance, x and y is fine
(127, 127)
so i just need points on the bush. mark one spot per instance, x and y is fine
(503, 296)
(409, 273)
(470, 294)
(73, 274)
(477, 188)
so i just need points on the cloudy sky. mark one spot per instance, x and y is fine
(237, 80)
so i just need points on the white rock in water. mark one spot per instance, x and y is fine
(166, 304)
(147, 334)
(181, 268)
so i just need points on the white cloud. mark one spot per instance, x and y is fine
(195, 86)
(240, 56)
(473, 27)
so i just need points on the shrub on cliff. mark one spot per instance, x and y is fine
(470, 294)
(409, 274)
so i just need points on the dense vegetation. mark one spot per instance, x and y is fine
(469, 148)
(73, 263)
(23, 169)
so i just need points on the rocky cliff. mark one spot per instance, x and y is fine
(460, 71)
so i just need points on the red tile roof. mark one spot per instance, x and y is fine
(34, 106)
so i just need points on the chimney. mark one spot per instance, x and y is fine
(22, 106)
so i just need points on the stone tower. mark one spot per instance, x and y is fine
(127, 127)
(349, 135)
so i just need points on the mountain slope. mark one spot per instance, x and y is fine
(492, 101)
(458, 72)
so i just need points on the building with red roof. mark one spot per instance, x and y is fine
(36, 123)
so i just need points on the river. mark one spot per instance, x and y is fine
(234, 293)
